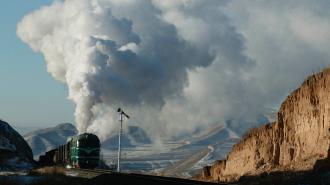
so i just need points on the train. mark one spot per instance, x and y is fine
(81, 151)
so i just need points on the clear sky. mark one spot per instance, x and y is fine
(29, 96)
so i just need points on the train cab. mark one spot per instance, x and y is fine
(85, 151)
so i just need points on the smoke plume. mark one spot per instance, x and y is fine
(175, 65)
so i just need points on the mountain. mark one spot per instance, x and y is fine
(240, 127)
(14, 150)
(219, 140)
(212, 136)
(43, 140)
(131, 137)
(23, 130)
(296, 141)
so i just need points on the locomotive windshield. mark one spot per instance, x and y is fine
(85, 150)
(89, 143)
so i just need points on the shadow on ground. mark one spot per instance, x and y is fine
(320, 175)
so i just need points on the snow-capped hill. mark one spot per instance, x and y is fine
(240, 127)
(212, 136)
(137, 135)
(43, 140)
(131, 137)
(62, 129)
(13, 148)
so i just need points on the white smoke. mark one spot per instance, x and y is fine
(106, 63)
(175, 65)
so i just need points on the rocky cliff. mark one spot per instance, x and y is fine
(295, 141)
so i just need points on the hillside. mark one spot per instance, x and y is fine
(43, 140)
(46, 139)
(200, 150)
(294, 142)
(131, 137)
(14, 151)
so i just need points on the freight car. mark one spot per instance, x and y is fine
(82, 151)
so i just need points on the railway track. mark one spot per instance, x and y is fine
(102, 176)
(87, 173)
(99, 171)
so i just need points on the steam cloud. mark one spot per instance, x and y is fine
(176, 65)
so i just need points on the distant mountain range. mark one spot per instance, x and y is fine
(211, 136)
(43, 140)
(179, 157)
(133, 136)
(46, 139)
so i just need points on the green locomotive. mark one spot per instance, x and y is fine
(85, 151)
(82, 151)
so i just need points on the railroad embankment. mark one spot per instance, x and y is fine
(294, 142)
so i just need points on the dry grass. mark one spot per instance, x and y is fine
(49, 170)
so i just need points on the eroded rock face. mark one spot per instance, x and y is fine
(295, 141)
(14, 150)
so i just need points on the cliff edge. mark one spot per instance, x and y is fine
(294, 142)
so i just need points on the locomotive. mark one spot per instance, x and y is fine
(82, 151)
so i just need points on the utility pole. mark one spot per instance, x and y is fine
(121, 113)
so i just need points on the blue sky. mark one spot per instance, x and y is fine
(29, 96)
